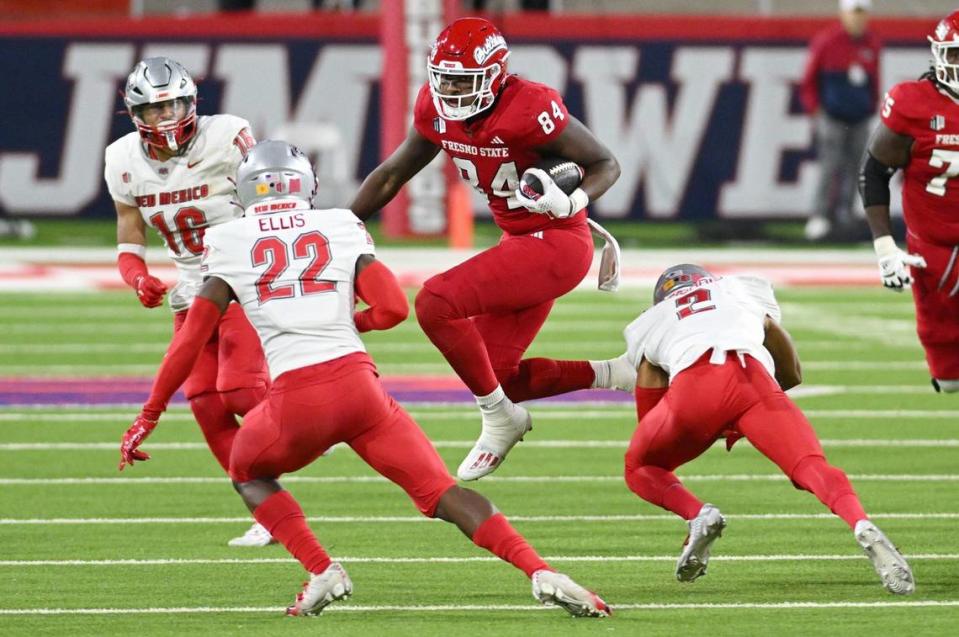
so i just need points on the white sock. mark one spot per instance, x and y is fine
(601, 371)
(493, 402)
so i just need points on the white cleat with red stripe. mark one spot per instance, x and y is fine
(496, 440)
(556, 589)
(322, 590)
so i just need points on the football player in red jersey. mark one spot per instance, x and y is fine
(919, 133)
(483, 314)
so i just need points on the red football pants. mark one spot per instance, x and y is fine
(308, 410)
(484, 313)
(936, 293)
(232, 358)
(705, 401)
(229, 378)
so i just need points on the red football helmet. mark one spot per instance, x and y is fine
(467, 67)
(945, 51)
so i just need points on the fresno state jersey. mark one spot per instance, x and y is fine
(930, 194)
(492, 150)
(724, 314)
(184, 195)
(293, 272)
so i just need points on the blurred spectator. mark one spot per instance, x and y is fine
(840, 88)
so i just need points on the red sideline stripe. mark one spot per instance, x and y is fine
(521, 26)
(238, 25)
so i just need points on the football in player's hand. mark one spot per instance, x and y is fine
(566, 174)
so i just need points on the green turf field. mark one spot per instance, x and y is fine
(145, 551)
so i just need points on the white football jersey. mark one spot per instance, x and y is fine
(721, 314)
(293, 272)
(184, 195)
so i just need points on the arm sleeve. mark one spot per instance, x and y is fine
(377, 287)
(201, 320)
(131, 266)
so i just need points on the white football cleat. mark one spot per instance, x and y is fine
(889, 563)
(322, 590)
(256, 535)
(497, 438)
(704, 529)
(556, 589)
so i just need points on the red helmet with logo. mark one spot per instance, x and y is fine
(467, 67)
(944, 43)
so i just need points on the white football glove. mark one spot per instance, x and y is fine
(554, 202)
(894, 264)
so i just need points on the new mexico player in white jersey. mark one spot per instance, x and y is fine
(283, 251)
(297, 272)
(174, 174)
(729, 316)
(713, 362)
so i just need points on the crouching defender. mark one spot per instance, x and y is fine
(713, 361)
(295, 271)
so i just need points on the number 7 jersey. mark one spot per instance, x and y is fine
(293, 273)
(930, 192)
(722, 315)
(184, 195)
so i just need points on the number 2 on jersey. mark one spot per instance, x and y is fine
(685, 303)
(274, 253)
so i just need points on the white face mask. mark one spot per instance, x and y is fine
(447, 86)
(947, 72)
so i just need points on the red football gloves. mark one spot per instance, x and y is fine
(133, 438)
(149, 289)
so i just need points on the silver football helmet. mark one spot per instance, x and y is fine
(274, 169)
(152, 84)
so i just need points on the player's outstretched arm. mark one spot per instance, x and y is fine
(381, 185)
(887, 152)
(185, 348)
(578, 144)
(377, 287)
(131, 254)
(785, 356)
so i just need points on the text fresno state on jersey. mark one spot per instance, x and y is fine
(492, 150)
(184, 195)
(930, 198)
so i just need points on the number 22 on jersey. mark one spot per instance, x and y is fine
(275, 253)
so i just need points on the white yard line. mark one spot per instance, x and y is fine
(465, 560)
(349, 608)
(391, 519)
(553, 411)
(468, 444)
(743, 477)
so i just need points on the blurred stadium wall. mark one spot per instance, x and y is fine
(700, 108)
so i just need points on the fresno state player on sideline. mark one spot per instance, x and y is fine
(713, 361)
(174, 173)
(483, 314)
(297, 272)
(919, 133)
